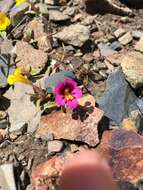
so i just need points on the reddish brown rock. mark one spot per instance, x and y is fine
(79, 125)
(124, 151)
(42, 174)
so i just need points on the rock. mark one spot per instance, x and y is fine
(137, 34)
(51, 81)
(105, 49)
(6, 47)
(101, 65)
(70, 11)
(75, 35)
(55, 146)
(37, 28)
(5, 5)
(81, 125)
(139, 45)
(140, 104)
(124, 150)
(51, 2)
(28, 56)
(109, 66)
(88, 20)
(22, 112)
(116, 58)
(88, 57)
(119, 32)
(6, 67)
(3, 134)
(116, 46)
(56, 16)
(17, 13)
(137, 117)
(129, 124)
(117, 98)
(74, 148)
(7, 178)
(48, 170)
(43, 9)
(3, 124)
(126, 38)
(124, 185)
(133, 68)
(45, 136)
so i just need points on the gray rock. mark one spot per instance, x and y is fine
(52, 80)
(22, 112)
(140, 104)
(116, 46)
(105, 49)
(43, 8)
(70, 11)
(56, 16)
(17, 13)
(55, 146)
(137, 34)
(118, 98)
(75, 34)
(7, 179)
(3, 124)
(5, 5)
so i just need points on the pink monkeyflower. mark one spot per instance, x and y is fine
(67, 93)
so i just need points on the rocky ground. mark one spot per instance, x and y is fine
(100, 45)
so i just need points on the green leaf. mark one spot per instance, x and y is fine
(3, 34)
(50, 105)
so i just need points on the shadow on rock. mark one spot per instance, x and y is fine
(4, 103)
(82, 112)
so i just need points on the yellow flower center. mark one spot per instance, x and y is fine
(67, 95)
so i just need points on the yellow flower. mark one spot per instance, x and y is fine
(18, 2)
(4, 21)
(17, 77)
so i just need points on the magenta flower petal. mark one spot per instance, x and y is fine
(72, 103)
(77, 92)
(71, 83)
(60, 100)
(58, 88)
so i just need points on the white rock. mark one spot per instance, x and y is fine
(126, 38)
(22, 110)
(7, 181)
